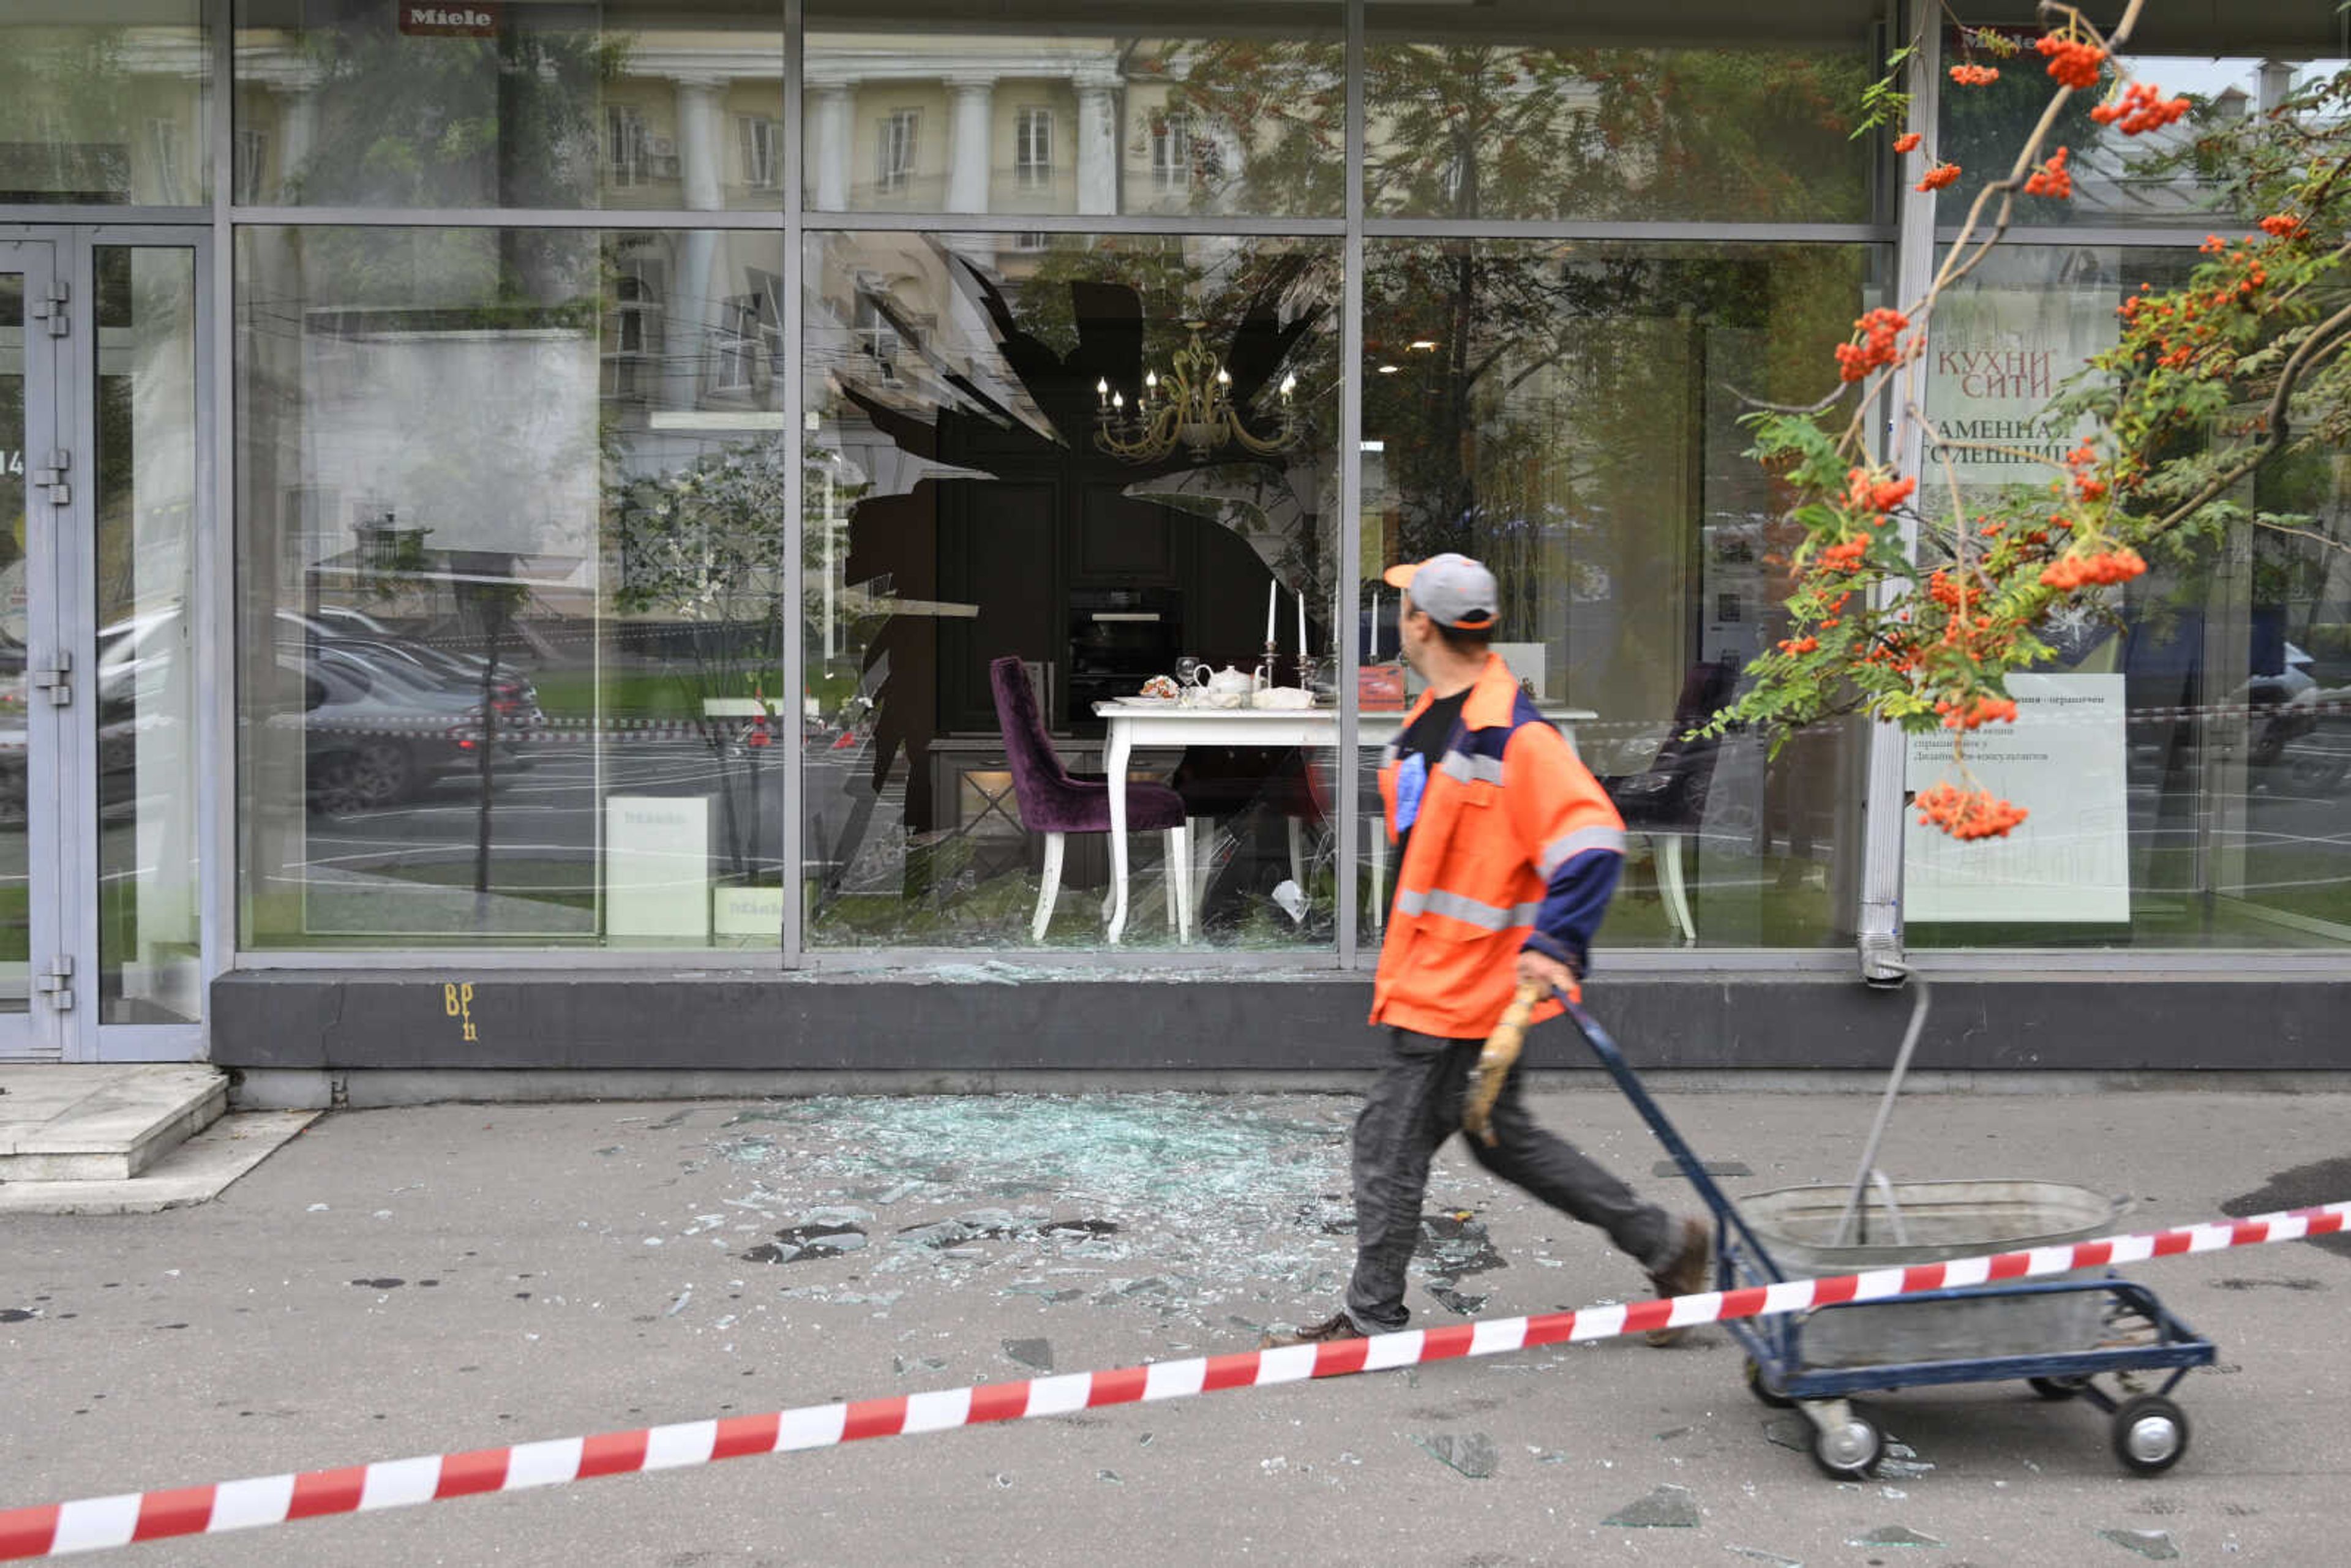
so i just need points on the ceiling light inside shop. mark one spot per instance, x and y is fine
(1423, 345)
(1389, 370)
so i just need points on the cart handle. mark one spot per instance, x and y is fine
(1726, 1213)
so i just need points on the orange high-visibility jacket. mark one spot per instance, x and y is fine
(1516, 846)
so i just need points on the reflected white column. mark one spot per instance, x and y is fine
(1097, 146)
(971, 129)
(297, 132)
(830, 139)
(701, 141)
(692, 308)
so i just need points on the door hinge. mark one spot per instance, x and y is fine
(56, 678)
(53, 310)
(51, 476)
(56, 983)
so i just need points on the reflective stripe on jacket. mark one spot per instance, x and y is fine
(1516, 846)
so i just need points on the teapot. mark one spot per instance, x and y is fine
(1228, 687)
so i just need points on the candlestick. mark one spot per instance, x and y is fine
(1301, 625)
(1269, 592)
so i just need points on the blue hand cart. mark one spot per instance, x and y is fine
(2057, 1334)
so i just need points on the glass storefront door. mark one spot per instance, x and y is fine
(101, 801)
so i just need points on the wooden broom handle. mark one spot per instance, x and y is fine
(1495, 1060)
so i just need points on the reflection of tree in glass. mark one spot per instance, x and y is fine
(707, 545)
(1513, 131)
(1539, 414)
(64, 102)
(509, 121)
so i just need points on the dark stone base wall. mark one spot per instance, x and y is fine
(623, 1020)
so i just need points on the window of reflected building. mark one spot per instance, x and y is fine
(1054, 106)
(112, 109)
(612, 105)
(512, 542)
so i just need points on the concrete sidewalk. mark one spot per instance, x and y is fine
(400, 1282)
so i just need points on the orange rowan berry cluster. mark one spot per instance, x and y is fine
(1967, 813)
(2050, 178)
(1964, 715)
(2073, 62)
(2142, 108)
(1844, 556)
(1798, 644)
(2103, 569)
(1940, 176)
(2081, 460)
(1879, 330)
(1975, 75)
(2282, 226)
(1864, 492)
(1906, 142)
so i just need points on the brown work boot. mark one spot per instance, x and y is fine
(1686, 1275)
(1339, 1325)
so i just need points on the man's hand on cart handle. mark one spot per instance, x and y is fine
(1542, 969)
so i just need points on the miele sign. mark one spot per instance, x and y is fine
(429, 19)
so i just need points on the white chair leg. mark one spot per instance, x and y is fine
(1171, 856)
(1665, 849)
(1179, 882)
(1050, 887)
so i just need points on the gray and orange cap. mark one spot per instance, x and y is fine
(1452, 590)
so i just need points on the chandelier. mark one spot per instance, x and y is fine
(1191, 407)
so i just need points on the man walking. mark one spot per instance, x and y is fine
(1508, 852)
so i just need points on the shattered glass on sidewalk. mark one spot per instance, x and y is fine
(1246, 1208)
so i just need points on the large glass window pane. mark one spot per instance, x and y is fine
(150, 957)
(2257, 55)
(999, 471)
(1523, 109)
(1566, 413)
(105, 104)
(2186, 756)
(511, 539)
(1059, 106)
(617, 105)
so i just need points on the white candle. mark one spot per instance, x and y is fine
(1270, 590)
(1301, 625)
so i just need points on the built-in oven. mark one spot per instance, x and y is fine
(1118, 639)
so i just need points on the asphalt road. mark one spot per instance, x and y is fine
(401, 1282)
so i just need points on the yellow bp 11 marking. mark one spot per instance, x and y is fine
(457, 1000)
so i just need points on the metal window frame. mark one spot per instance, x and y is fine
(1878, 935)
(1909, 227)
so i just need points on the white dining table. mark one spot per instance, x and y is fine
(1134, 724)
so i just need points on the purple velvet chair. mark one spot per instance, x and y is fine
(1055, 803)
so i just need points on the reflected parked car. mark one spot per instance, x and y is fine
(373, 739)
(513, 693)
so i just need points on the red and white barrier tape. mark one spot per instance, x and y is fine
(93, 1524)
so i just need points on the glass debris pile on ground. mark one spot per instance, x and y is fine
(1210, 1212)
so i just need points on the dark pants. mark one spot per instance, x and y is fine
(1414, 1106)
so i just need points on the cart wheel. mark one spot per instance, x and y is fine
(1850, 1452)
(2054, 1388)
(1756, 1385)
(2150, 1434)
